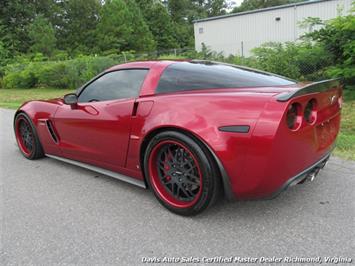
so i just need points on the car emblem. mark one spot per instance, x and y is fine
(332, 99)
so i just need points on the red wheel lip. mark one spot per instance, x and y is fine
(19, 139)
(159, 187)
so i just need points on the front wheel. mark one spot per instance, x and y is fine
(27, 138)
(181, 173)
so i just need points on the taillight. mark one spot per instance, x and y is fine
(310, 111)
(293, 118)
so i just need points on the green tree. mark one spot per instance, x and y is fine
(160, 24)
(16, 16)
(14, 19)
(122, 27)
(4, 53)
(207, 8)
(77, 24)
(215, 7)
(182, 13)
(42, 36)
(113, 30)
(179, 10)
(4, 58)
(141, 38)
(257, 4)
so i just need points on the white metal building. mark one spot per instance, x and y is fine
(238, 33)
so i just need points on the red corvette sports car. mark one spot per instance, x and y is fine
(189, 130)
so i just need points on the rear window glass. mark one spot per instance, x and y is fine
(183, 76)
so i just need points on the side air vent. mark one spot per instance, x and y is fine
(51, 131)
(235, 129)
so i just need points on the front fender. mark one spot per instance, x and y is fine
(40, 112)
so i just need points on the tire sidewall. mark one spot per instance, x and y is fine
(38, 151)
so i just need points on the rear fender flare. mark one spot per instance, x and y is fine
(222, 172)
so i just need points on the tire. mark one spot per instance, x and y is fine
(181, 173)
(27, 137)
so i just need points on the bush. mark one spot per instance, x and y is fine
(301, 61)
(243, 61)
(342, 71)
(346, 68)
(312, 60)
(278, 58)
(60, 55)
(53, 75)
(337, 39)
(57, 74)
(18, 77)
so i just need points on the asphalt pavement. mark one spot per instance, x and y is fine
(53, 213)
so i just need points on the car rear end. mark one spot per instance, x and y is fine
(292, 140)
(289, 129)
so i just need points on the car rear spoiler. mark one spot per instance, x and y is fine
(319, 86)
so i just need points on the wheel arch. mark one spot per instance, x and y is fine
(227, 191)
(19, 111)
(28, 109)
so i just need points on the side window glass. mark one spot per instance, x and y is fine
(119, 84)
(184, 76)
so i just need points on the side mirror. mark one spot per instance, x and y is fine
(71, 99)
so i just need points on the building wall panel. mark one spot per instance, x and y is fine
(238, 35)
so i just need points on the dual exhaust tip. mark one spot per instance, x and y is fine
(310, 176)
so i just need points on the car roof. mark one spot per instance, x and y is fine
(142, 64)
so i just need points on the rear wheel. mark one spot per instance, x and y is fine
(27, 138)
(182, 175)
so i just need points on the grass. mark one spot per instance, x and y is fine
(346, 139)
(13, 98)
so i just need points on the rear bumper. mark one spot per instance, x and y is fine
(308, 173)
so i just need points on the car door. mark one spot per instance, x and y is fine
(97, 129)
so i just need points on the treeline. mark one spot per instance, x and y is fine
(105, 26)
(257, 4)
(322, 54)
(63, 43)
(99, 26)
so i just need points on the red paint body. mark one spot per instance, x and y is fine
(110, 134)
